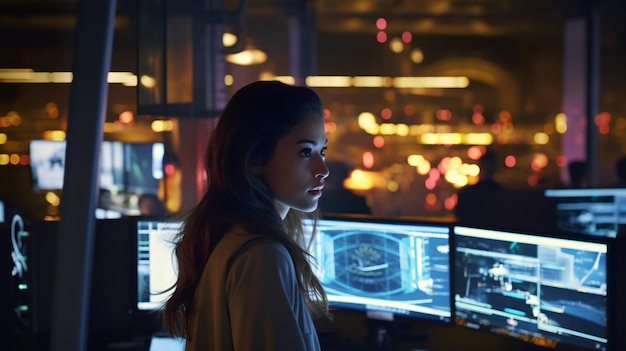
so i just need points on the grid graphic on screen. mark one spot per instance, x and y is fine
(393, 267)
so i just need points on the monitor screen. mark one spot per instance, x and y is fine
(541, 289)
(156, 264)
(397, 268)
(594, 211)
(144, 167)
(112, 166)
(124, 167)
(47, 164)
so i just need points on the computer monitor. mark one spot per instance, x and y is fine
(545, 290)
(144, 166)
(47, 164)
(385, 267)
(157, 269)
(592, 211)
(112, 177)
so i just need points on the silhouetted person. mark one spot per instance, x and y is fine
(336, 198)
(488, 164)
(578, 174)
(480, 201)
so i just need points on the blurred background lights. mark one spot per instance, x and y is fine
(381, 37)
(407, 37)
(378, 141)
(541, 138)
(14, 118)
(540, 161)
(368, 159)
(54, 135)
(416, 55)
(162, 125)
(474, 152)
(386, 113)
(396, 45)
(53, 199)
(560, 123)
(229, 39)
(229, 80)
(510, 161)
(14, 159)
(147, 81)
(52, 110)
(381, 24)
(127, 117)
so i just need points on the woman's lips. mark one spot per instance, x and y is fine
(316, 191)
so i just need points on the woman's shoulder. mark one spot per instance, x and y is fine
(242, 242)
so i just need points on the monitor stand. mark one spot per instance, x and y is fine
(380, 335)
(384, 332)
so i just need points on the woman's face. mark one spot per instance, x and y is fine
(295, 173)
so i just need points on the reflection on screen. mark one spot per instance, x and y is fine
(156, 264)
(539, 289)
(600, 212)
(402, 268)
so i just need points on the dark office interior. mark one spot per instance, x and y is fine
(106, 104)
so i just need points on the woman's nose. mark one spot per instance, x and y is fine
(323, 172)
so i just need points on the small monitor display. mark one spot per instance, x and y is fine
(385, 266)
(144, 167)
(594, 211)
(157, 269)
(124, 167)
(540, 289)
(112, 166)
(47, 162)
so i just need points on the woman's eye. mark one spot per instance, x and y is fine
(306, 152)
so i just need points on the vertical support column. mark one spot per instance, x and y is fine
(593, 88)
(88, 98)
(209, 63)
(581, 90)
(302, 43)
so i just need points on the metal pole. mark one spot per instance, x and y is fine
(593, 89)
(88, 97)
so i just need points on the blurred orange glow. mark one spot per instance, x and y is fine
(379, 141)
(474, 152)
(127, 117)
(386, 113)
(330, 127)
(450, 202)
(368, 159)
(510, 161)
(561, 161)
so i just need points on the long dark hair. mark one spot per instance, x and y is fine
(253, 121)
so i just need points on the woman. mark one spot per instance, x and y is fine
(245, 281)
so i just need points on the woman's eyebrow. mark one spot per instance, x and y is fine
(309, 141)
